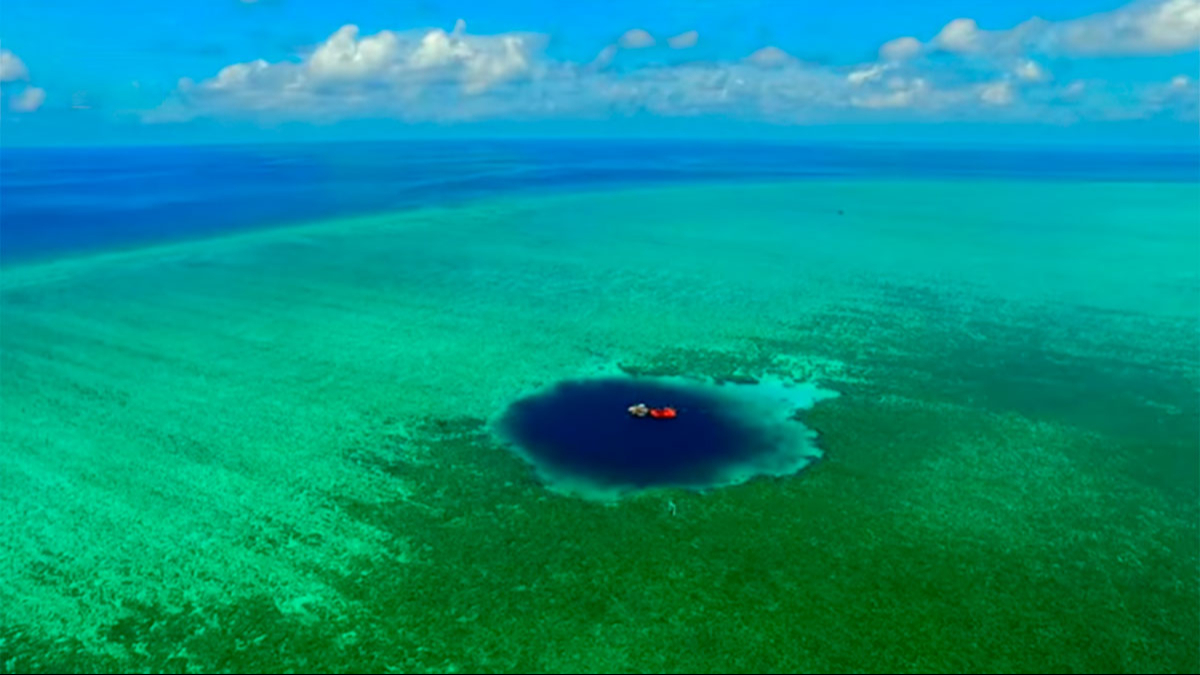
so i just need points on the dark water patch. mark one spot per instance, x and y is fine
(407, 451)
(584, 428)
(582, 439)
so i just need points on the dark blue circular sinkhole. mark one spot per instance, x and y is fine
(581, 433)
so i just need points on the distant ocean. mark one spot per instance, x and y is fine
(60, 201)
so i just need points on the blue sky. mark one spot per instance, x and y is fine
(1087, 71)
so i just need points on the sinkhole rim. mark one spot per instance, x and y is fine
(768, 410)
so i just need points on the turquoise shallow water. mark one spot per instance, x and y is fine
(270, 450)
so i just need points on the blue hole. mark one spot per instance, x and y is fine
(583, 431)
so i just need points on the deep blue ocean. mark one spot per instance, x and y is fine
(57, 201)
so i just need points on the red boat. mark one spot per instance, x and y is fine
(642, 410)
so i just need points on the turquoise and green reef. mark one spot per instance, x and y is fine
(271, 451)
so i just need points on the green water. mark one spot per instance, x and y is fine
(268, 452)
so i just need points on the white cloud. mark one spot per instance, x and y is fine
(900, 49)
(454, 76)
(770, 56)
(1141, 27)
(347, 70)
(964, 36)
(11, 67)
(1030, 71)
(419, 77)
(345, 57)
(899, 93)
(684, 40)
(864, 75)
(636, 38)
(29, 100)
(639, 39)
(1144, 27)
(997, 93)
(960, 35)
(238, 76)
(477, 62)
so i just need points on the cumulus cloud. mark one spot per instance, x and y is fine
(434, 75)
(1144, 27)
(964, 36)
(387, 56)
(636, 38)
(29, 100)
(684, 40)
(12, 68)
(350, 71)
(454, 76)
(900, 49)
(960, 35)
(345, 57)
(771, 56)
(1030, 71)
(864, 75)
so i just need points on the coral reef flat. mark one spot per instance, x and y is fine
(269, 450)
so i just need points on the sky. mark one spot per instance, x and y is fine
(78, 72)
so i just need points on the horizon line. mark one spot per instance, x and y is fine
(1191, 146)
